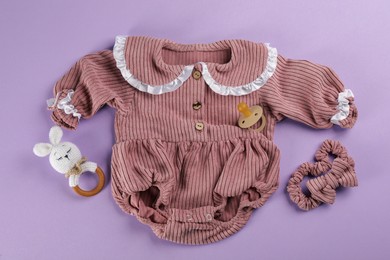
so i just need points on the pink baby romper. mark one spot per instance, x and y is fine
(180, 163)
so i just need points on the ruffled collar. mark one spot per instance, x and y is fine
(242, 67)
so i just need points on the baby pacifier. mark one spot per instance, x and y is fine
(250, 116)
(66, 158)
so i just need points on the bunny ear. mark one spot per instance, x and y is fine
(42, 149)
(55, 135)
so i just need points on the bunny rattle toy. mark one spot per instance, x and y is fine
(66, 158)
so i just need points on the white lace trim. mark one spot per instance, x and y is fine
(64, 104)
(343, 107)
(119, 55)
(247, 88)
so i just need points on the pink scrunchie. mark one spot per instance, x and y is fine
(323, 188)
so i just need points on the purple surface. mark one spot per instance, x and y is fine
(41, 217)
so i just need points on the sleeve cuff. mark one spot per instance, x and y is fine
(64, 112)
(347, 111)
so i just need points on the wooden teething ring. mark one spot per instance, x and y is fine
(94, 191)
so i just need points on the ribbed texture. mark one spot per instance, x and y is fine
(159, 61)
(306, 92)
(342, 174)
(96, 82)
(329, 176)
(196, 186)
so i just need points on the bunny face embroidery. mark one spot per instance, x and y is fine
(66, 158)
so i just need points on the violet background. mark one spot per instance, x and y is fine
(41, 217)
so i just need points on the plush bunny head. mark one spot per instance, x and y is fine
(63, 156)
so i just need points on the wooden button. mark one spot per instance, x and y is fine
(197, 105)
(199, 126)
(196, 74)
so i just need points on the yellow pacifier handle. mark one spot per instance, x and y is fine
(244, 109)
(250, 116)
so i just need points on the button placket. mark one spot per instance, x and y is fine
(196, 74)
(199, 89)
(199, 126)
(189, 217)
(209, 217)
(197, 105)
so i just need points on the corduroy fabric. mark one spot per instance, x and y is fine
(196, 186)
(329, 176)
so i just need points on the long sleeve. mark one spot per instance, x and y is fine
(310, 93)
(91, 83)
